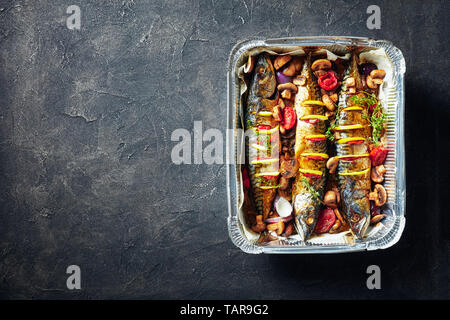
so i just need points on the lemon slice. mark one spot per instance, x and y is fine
(345, 140)
(316, 136)
(312, 102)
(263, 161)
(321, 155)
(354, 173)
(268, 187)
(353, 109)
(315, 172)
(270, 131)
(353, 156)
(349, 127)
(314, 116)
(272, 174)
(259, 147)
(265, 113)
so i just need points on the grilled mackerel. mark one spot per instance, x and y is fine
(263, 144)
(310, 152)
(352, 134)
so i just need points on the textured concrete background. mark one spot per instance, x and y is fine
(85, 171)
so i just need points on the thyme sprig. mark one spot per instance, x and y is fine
(376, 119)
(311, 190)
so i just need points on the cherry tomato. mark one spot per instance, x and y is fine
(325, 220)
(378, 155)
(328, 81)
(264, 127)
(289, 118)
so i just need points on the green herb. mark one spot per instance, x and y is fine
(311, 190)
(377, 120)
(249, 124)
(330, 129)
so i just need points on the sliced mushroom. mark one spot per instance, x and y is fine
(260, 225)
(321, 64)
(370, 83)
(350, 82)
(297, 63)
(328, 102)
(335, 227)
(287, 86)
(378, 74)
(332, 164)
(378, 173)
(337, 194)
(334, 97)
(250, 64)
(379, 195)
(286, 94)
(281, 61)
(289, 70)
(276, 227)
(299, 80)
(377, 218)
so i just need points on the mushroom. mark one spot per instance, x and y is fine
(335, 227)
(332, 164)
(350, 82)
(321, 64)
(297, 63)
(379, 195)
(378, 174)
(260, 225)
(330, 199)
(286, 94)
(370, 83)
(337, 194)
(328, 102)
(281, 61)
(299, 80)
(276, 113)
(320, 73)
(377, 76)
(334, 97)
(289, 70)
(287, 86)
(250, 64)
(276, 227)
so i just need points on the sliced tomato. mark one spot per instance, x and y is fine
(378, 155)
(289, 118)
(311, 175)
(317, 139)
(325, 220)
(311, 121)
(328, 81)
(315, 158)
(355, 142)
(264, 127)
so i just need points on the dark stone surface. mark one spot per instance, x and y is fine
(86, 176)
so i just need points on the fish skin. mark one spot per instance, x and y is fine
(306, 205)
(354, 189)
(262, 88)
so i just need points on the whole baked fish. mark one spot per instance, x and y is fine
(262, 130)
(310, 152)
(352, 134)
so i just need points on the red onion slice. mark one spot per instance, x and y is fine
(281, 78)
(278, 219)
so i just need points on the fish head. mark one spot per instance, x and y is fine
(358, 211)
(264, 81)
